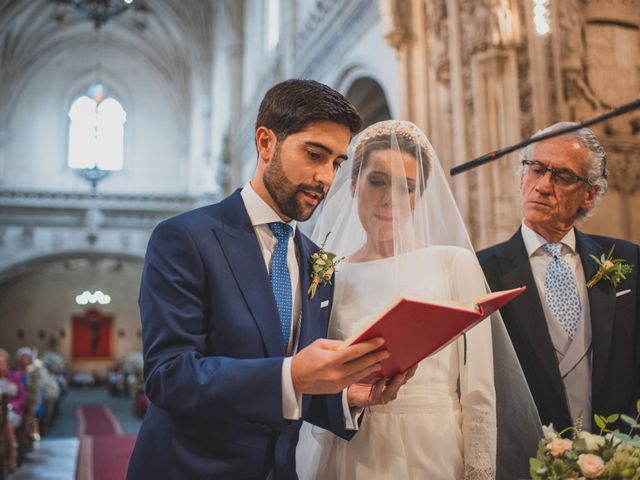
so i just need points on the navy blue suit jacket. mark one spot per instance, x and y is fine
(615, 326)
(213, 352)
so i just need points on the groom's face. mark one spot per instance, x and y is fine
(302, 167)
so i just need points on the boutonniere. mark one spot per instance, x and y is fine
(323, 265)
(612, 269)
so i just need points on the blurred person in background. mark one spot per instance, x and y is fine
(12, 386)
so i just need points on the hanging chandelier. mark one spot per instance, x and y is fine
(101, 11)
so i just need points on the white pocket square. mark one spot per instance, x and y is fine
(622, 292)
(326, 303)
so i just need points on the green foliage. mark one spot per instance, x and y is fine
(609, 268)
(611, 455)
(323, 266)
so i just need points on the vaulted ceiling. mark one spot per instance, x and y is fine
(176, 41)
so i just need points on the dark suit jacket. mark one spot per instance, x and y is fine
(213, 352)
(614, 321)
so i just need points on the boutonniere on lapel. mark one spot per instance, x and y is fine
(323, 265)
(609, 268)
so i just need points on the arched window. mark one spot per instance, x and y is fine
(96, 133)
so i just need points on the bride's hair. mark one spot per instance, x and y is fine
(405, 143)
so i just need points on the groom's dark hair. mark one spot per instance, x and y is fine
(289, 107)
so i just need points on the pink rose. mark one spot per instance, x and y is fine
(590, 465)
(558, 446)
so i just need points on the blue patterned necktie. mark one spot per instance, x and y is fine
(561, 290)
(280, 278)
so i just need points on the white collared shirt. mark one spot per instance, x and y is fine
(261, 214)
(540, 259)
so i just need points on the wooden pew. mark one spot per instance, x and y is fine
(24, 438)
(4, 412)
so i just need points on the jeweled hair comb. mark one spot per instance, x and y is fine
(399, 128)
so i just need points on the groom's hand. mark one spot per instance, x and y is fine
(322, 368)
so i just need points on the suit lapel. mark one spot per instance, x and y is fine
(238, 241)
(516, 270)
(602, 301)
(309, 308)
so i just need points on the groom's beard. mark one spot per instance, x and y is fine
(285, 194)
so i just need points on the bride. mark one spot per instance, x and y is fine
(391, 213)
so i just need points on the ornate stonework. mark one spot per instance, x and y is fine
(439, 38)
(396, 20)
(600, 64)
(624, 166)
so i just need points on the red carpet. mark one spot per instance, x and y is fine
(104, 457)
(97, 420)
(104, 449)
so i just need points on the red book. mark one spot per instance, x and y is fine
(415, 327)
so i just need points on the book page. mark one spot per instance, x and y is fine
(489, 296)
(412, 298)
(431, 301)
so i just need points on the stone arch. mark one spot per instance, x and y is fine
(32, 262)
(367, 92)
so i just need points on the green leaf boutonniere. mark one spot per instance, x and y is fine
(613, 269)
(323, 265)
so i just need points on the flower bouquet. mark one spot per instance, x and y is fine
(607, 455)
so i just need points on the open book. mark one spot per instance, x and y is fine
(416, 327)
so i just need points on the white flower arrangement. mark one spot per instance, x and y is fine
(608, 455)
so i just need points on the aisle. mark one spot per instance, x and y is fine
(92, 439)
(104, 449)
(51, 459)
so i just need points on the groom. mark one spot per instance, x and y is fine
(233, 347)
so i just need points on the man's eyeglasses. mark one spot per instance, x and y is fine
(559, 176)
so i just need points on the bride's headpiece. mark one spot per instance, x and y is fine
(399, 128)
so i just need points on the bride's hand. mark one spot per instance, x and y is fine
(365, 394)
(360, 395)
(393, 385)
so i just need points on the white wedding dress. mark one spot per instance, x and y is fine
(442, 425)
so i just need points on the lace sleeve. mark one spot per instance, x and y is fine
(477, 390)
(478, 406)
(479, 449)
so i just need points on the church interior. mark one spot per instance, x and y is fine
(117, 114)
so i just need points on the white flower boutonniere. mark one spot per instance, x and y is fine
(612, 269)
(323, 265)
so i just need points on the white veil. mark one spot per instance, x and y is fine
(407, 206)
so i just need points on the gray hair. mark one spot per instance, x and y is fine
(25, 351)
(597, 172)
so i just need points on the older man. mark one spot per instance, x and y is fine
(578, 345)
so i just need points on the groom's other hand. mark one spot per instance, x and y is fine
(384, 391)
(322, 368)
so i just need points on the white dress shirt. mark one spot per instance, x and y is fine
(261, 214)
(540, 259)
(573, 355)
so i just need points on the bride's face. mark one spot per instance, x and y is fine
(385, 184)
